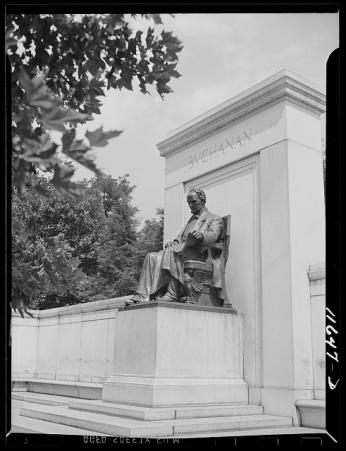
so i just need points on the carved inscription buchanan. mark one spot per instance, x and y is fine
(215, 150)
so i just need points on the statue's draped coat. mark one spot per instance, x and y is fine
(159, 267)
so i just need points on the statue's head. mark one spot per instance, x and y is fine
(196, 199)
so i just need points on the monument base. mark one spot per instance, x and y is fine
(165, 392)
(170, 354)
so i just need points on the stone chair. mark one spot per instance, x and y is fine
(198, 274)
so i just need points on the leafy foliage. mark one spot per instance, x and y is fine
(61, 66)
(151, 235)
(42, 261)
(67, 251)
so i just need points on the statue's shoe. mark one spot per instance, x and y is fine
(134, 300)
(166, 297)
(130, 302)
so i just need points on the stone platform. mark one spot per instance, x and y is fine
(43, 413)
(168, 354)
(30, 415)
(79, 389)
(178, 370)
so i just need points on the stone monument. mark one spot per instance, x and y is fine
(258, 158)
(175, 342)
(179, 353)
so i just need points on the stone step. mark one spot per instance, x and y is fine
(218, 411)
(162, 413)
(118, 426)
(82, 390)
(40, 398)
(115, 426)
(33, 426)
(296, 430)
(194, 425)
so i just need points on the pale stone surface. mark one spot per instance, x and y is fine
(124, 410)
(281, 401)
(47, 349)
(25, 425)
(318, 313)
(312, 413)
(114, 426)
(242, 279)
(272, 131)
(238, 423)
(31, 424)
(168, 354)
(163, 413)
(21, 424)
(40, 398)
(62, 388)
(231, 410)
(24, 346)
(265, 431)
(73, 343)
(68, 347)
(293, 188)
(119, 426)
(282, 85)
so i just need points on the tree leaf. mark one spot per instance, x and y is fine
(72, 115)
(78, 145)
(62, 181)
(99, 138)
(25, 80)
(37, 150)
(163, 89)
(55, 119)
(156, 18)
(9, 40)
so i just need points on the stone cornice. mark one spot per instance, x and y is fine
(178, 305)
(105, 304)
(281, 86)
(317, 272)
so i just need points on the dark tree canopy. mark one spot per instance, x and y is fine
(77, 250)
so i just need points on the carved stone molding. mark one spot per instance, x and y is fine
(281, 86)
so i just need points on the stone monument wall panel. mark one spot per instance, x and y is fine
(24, 346)
(47, 347)
(138, 356)
(69, 348)
(207, 353)
(94, 357)
(275, 268)
(234, 190)
(307, 245)
(318, 306)
(227, 145)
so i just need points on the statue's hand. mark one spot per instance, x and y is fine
(197, 235)
(171, 243)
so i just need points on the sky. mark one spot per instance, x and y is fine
(223, 55)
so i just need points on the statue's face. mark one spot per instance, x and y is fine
(194, 202)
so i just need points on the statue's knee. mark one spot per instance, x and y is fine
(187, 277)
(151, 256)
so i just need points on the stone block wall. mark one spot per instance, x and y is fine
(317, 279)
(73, 343)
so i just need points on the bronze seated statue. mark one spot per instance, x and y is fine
(191, 268)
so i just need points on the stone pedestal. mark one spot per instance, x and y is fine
(170, 354)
